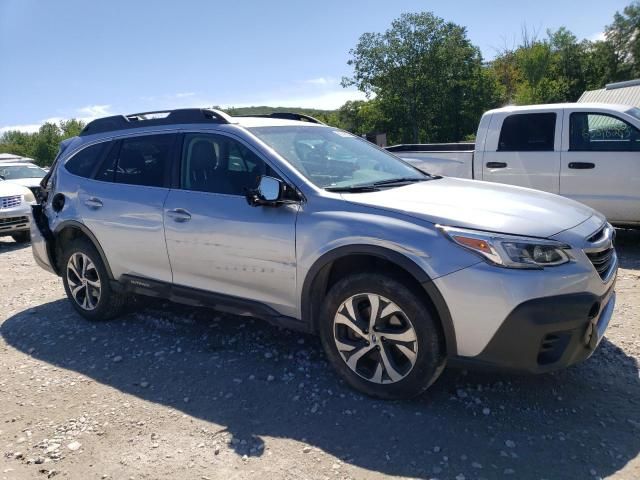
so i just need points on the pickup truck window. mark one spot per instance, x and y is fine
(528, 132)
(601, 133)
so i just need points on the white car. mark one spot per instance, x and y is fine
(15, 211)
(589, 152)
(23, 173)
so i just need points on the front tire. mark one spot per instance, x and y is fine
(381, 336)
(87, 284)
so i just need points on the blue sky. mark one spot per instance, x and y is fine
(83, 59)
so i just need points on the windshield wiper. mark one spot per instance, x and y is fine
(400, 181)
(353, 188)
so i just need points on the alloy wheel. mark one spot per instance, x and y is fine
(375, 338)
(84, 281)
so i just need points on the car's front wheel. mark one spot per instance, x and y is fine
(86, 282)
(381, 337)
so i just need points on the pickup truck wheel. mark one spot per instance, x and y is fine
(21, 237)
(381, 337)
(86, 282)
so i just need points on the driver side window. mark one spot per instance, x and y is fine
(219, 164)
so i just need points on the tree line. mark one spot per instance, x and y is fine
(427, 82)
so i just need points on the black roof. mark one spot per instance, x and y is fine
(159, 117)
(182, 115)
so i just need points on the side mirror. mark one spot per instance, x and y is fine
(268, 192)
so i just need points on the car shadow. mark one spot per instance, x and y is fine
(8, 245)
(255, 380)
(628, 248)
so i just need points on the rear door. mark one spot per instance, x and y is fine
(601, 164)
(123, 205)
(524, 149)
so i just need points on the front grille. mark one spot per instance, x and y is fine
(600, 250)
(11, 222)
(10, 202)
(601, 260)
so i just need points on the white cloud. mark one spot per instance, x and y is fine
(598, 37)
(322, 81)
(95, 111)
(27, 128)
(184, 94)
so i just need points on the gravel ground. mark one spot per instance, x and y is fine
(169, 391)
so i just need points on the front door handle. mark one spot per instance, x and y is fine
(93, 203)
(179, 215)
(582, 165)
(496, 165)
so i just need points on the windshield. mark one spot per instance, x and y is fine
(634, 112)
(333, 158)
(11, 172)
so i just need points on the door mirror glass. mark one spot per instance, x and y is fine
(269, 189)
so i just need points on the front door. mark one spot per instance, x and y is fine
(526, 152)
(601, 166)
(216, 240)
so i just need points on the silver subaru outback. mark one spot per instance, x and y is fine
(312, 228)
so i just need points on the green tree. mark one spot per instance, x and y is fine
(425, 75)
(624, 36)
(42, 145)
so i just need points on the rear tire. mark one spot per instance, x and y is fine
(396, 355)
(21, 237)
(87, 284)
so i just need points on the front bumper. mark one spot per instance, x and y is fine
(529, 320)
(549, 333)
(14, 220)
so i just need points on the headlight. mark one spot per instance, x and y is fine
(29, 197)
(509, 250)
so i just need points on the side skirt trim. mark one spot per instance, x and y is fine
(202, 298)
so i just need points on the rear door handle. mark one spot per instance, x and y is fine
(93, 203)
(179, 215)
(496, 165)
(582, 165)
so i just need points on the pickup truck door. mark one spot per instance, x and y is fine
(524, 149)
(219, 243)
(601, 164)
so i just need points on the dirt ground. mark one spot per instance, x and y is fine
(175, 392)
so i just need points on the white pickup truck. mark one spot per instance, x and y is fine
(585, 151)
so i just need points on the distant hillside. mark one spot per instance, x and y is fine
(261, 110)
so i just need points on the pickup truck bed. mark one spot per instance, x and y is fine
(447, 159)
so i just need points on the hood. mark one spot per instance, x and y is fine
(8, 189)
(27, 182)
(480, 205)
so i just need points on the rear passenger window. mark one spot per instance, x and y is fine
(218, 164)
(601, 133)
(139, 161)
(85, 161)
(528, 132)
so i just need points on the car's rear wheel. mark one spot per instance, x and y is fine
(381, 337)
(21, 237)
(86, 282)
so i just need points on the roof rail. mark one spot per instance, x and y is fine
(300, 117)
(149, 119)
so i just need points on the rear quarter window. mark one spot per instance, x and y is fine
(528, 132)
(86, 160)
